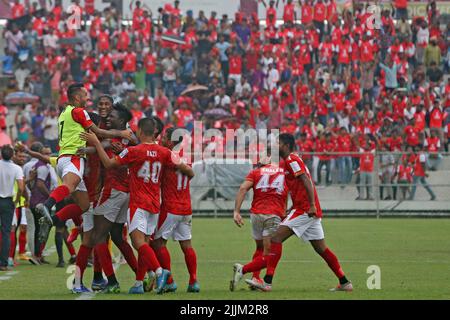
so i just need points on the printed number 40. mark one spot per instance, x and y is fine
(147, 174)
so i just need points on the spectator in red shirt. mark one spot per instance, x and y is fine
(437, 118)
(320, 15)
(420, 174)
(401, 9)
(325, 145)
(289, 14)
(404, 175)
(412, 133)
(150, 61)
(367, 158)
(307, 12)
(103, 40)
(129, 64)
(306, 145)
(344, 161)
(271, 13)
(432, 145)
(17, 9)
(123, 38)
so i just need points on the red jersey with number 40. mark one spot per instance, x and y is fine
(269, 190)
(146, 162)
(294, 168)
(175, 193)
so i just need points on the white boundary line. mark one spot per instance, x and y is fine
(10, 274)
(321, 261)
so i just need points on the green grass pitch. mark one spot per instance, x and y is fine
(413, 255)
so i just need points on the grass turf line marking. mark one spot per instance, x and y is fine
(9, 275)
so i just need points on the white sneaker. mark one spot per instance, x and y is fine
(260, 285)
(237, 276)
(348, 287)
(257, 280)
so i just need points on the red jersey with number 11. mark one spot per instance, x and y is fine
(294, 167)
(175, 193)
(146, 162)
(269, 190)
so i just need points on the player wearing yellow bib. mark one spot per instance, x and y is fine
(73, 121)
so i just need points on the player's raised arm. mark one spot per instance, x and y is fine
(113, 133)
(180, 165)
(92, 139)
(92, 150)
(185, 169)
(240, 196)
(37, 155)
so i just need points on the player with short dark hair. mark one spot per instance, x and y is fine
(175, 218)
(267, 210)
(145, 162)
(304, 220)
(72, 121)
(110, 214)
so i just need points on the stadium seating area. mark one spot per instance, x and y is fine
(336, 76)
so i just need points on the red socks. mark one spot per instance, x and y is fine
(41, 249)
(69, 212)
(77, 220)
(13, 244)
(163, 256)
(273, 257)
(71, 249)
(97, 265)
(22, 241)
(105, 258)
(146, 261)
(259, 262)
(128, 254)
(60, 193)
(82, 260)
(332, 262)
(191, 262)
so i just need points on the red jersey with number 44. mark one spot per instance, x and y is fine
(175, 193)
(269, 190)
(294, 168)
(146, 162)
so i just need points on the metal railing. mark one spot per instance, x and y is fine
(215, 196)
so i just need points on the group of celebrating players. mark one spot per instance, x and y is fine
(113, 180)
(109, 180)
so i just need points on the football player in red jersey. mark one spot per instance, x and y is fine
(175, 219)
(145, 162)
(304, 220)
(267, 211)
(110, 213)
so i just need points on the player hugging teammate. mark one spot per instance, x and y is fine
(133, 169)
(303, 219)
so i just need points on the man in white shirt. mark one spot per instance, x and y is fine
(50, 126)
(9, 174)
(273, 77)
(222, 100)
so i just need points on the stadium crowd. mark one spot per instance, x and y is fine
(342, 80)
